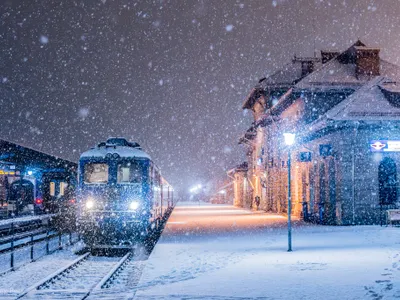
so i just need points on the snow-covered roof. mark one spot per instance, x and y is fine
(375, 101)
(290, 73)
(286, 75)
(116, 146)
(337, 74)
(122, 151)
(340, 72)
(281, 79)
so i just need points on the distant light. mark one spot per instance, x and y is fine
(195, 189)
(30, 173)
(38, 201)
(289, 138)
(223, 192)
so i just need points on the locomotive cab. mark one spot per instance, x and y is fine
(117, 197)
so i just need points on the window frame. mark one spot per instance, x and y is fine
(139, 172)
(96, 163)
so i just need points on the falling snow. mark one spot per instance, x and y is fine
(44, 39)
(151, 71)
(229, 27)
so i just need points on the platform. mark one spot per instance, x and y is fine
(223, 253)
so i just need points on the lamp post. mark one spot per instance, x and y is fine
(289, 141)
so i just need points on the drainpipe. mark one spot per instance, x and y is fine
(353, 173)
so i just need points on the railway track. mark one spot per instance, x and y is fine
(89, 276)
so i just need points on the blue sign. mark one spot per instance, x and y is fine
(385, 145)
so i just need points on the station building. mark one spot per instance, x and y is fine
(344, 108)
(30, 180)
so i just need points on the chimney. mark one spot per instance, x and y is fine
(327, 55)
(367, 61)
(307, 67)
(308, 64)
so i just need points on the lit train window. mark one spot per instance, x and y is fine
(52, 188)
(129, 173)
(96, 173)
(63, 186)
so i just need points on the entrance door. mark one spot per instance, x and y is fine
(387, 174)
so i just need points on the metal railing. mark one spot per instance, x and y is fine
(15, 242)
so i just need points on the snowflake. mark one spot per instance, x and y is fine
(229, 27)
(44, 39)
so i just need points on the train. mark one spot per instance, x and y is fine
(56, 193)
(39, 193)
(121, 197)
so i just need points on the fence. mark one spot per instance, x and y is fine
(45, 237)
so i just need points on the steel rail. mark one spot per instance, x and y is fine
(60, 273)
(54, 276)
(110, 275)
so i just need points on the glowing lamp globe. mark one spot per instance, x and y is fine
(289, 138)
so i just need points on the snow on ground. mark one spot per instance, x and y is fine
(24, 219)
(22, 255)
(221, 252)
(27, 274)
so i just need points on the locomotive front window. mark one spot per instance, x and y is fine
(96, 173)
(129, 173)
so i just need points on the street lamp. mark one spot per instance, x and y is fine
(289, 141)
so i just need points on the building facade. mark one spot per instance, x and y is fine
(342, 107)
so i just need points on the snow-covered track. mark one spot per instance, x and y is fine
(110, 276)
(54, 276)
(78, 279)
(121, 282)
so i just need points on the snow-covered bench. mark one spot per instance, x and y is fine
(393, 215)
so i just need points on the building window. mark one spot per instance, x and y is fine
(387, 174)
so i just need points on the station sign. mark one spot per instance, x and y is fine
(384, 146)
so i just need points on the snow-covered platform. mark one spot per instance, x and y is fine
(24, 219)
(222, 252)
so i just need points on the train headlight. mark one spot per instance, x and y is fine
(134, 205)
(89, 204)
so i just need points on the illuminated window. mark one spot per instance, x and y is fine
(96, 173)
(52, 188)
(129, 173)
(63, 186)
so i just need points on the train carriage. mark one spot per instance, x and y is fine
(120, 195)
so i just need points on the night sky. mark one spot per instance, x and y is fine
(171, 75)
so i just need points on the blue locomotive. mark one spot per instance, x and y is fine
(121, 194)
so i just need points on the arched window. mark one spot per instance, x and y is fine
(387, 175)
